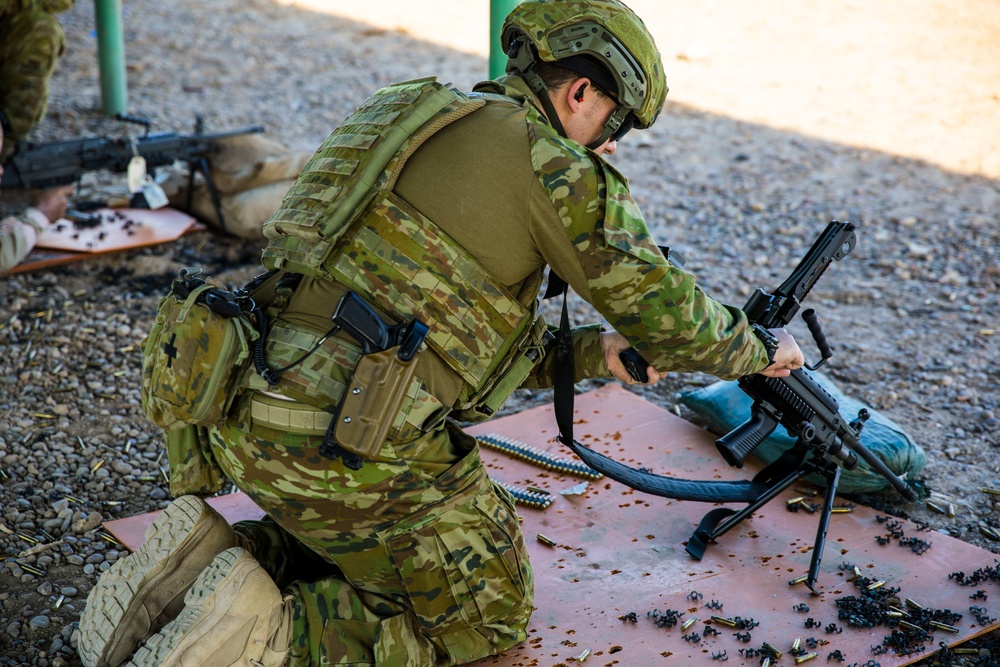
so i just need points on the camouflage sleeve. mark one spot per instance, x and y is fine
(593, 235)
(587, 354)
(18, 235)
(31, 40)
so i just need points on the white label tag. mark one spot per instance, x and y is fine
(154, 195)
(136, 173)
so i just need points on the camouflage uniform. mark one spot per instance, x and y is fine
(417, 558)
(18, 234)
(31, 40)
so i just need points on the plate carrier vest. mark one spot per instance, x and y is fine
(341, 221)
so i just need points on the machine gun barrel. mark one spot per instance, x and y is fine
(63, 162)
(776, 310)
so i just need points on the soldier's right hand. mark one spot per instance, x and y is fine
(52, 202)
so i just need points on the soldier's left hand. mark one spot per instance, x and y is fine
(613, 344)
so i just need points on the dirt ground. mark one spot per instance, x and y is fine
(782, 115)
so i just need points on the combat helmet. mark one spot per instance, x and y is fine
(601, 39)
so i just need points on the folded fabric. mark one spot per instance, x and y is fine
(723, 406)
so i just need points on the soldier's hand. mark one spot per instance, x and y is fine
(613, 344)
(52, 202)
(787, 358)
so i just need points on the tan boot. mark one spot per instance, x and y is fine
(143, 592)
(234, 616)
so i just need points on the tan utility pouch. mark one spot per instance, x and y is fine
(191, 359)
(372, 401)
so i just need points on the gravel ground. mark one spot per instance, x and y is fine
(844, 117)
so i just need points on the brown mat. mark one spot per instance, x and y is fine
(618, 551)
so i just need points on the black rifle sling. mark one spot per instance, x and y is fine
(657, 485)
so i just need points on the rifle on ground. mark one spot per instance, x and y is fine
(57, 163)
(825, 440)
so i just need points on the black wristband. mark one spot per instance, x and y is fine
(768, 339)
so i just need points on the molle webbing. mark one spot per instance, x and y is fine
(363, 156)
(322, 374)
(409, 266)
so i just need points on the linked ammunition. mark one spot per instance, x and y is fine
(538, 457)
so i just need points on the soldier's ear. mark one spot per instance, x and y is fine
(575, 93)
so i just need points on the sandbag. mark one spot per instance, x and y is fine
(251, 174)
(723, 406)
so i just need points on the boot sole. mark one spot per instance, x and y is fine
(206, 618)
(115, 620)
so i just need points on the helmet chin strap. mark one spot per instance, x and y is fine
(522, 62)
(542, 92)
(610, 127)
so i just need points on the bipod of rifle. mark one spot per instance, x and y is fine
(832, 474)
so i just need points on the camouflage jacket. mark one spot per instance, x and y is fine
(547, 200)
(31, 41)
(514, 197)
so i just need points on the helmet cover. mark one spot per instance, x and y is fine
(604, 30)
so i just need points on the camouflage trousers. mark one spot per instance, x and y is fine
(386, 567)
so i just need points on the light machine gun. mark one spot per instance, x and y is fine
(57, 163)
(825, 440)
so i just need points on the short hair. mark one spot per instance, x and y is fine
(555, 76)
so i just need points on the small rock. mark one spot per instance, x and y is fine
(39, 622)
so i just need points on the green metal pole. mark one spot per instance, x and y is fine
(111, 55)
(499, 9)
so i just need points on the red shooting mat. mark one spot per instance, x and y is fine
(119, 229)
(618, 551)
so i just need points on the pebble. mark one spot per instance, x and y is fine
(39, 622)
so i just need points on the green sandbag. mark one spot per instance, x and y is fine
(724, 406)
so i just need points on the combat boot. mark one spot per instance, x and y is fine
(234, 616)
(144, 591)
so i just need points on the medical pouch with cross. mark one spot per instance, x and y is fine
(195, 353)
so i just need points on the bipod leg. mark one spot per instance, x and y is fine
(201, 164)
(761, 500)
(832, 479)
(190, 190)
